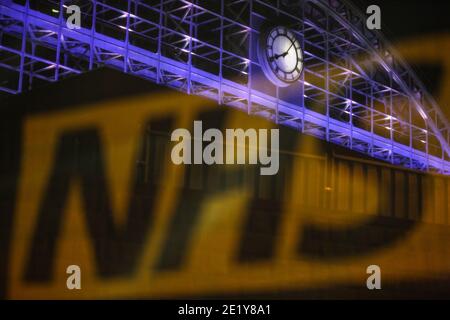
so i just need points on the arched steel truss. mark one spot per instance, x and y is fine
(355, 91)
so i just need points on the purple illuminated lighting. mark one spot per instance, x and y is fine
(379, 108)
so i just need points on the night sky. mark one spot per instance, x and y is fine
(425, 16)
(406, 19)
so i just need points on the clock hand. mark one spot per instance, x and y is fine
(287, 51)
(284, 54)
(275, 57)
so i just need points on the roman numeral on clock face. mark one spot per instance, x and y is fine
(281, 56)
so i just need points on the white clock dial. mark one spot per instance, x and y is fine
(281, 56)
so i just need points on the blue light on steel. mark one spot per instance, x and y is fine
(354, 91)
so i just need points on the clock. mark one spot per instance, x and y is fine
(280, 56)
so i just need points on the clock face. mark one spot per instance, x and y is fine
(281, 56)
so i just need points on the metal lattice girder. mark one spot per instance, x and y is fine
(354, 90)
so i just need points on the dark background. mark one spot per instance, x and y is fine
(404, 19)
(401, 19)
